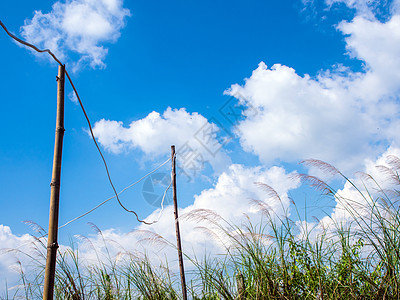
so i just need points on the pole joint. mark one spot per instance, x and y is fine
(60, 129)
(53, 246)
(54, 184)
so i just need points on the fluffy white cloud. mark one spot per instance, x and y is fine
(231, 199)
(77, 27)
(377, 181)
(197, 140)
(366, 199)
(237, 187)
(340, 116)
(9, 266)
(378, 45)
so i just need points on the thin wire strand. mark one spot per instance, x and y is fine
(84, 112)
(105, 201)
(162, 203)
(165, 192)
(4, 251)
(101, 154)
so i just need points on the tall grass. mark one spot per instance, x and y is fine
(356, 256)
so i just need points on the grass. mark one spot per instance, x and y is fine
(355, 256)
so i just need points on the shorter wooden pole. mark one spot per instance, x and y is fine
(178, 235)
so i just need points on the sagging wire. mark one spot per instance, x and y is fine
(101, 154)
(96, 207)
(123, 190)
(162, 203)
(166, 190)
(84, 112)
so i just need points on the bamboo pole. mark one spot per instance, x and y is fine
(178, 235)
(52, 244)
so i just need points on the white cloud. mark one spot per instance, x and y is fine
(359, 203)
(230, 198)
(234, 190)
(367, 201)
(9, 266)
(197, 140)
(378, 45)
(77, 27)
(340, 116)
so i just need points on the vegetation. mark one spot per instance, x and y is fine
(355, 258)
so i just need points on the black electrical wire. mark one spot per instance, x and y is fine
(84, 112)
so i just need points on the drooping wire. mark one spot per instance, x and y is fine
(166, 190)
(101, 154)
(84, 112)
(162, 203)
(105, 201)
(123, 190)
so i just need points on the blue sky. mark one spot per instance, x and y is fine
(314, 79)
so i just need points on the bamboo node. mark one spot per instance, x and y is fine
(53, 246)
(55, 184)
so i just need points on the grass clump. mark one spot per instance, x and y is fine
(354, 253)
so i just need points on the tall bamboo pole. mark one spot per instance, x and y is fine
(52, 244)
(178, 235)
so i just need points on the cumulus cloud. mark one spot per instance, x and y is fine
(378, 45)
(339, 116)
(9, 266)
(197, 140)
(235, 189)
(230, 198)
(77, 28)
(364, 200)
